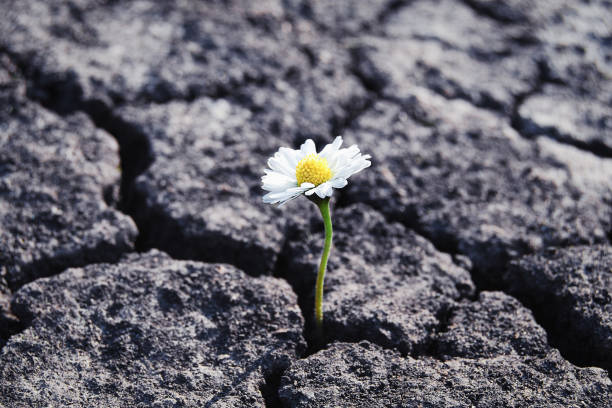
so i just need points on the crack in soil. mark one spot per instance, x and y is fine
(269, 390)
(341, 334)
(504, 15)
(542, 310)
(521, 125)
(392, 7)
(59, 99)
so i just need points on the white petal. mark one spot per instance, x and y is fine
(293, 197)
(352, 166)
(295, 193)
(342, 158)
(280, 181)
(279, 164)
(273, 198)
(308, 147)
(291, 156)
(338, 182)
(277, 182)
(322, 190)
(270, 199)
(289, 191)
(325, 190)
(311, 187)
(284, 196)
(330, 150)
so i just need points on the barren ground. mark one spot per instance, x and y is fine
(472, 263)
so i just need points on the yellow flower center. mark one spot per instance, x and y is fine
(312, 169)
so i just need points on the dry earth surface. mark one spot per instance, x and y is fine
(472, 263)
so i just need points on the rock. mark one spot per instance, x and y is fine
(588, 174)
(456, 26)
(384, 283)
(12, 86)
(11, 90)
(507, 11)
(137, 50)
(358, 375)
(344, 17)
(449, 72)
(572, 38)
(93, 56)
(575, 55)
(201, 198)
(59, 179)
(493, 325)
(570, 290)
(150, 331)
(576, 46)
(449, 49)
(488, 126)
(487, 352)
(466, 180)
(314, 99)
(9, 323)
(566, 116)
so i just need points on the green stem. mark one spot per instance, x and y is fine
(324, 208)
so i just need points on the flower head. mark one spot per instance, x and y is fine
(304, 171)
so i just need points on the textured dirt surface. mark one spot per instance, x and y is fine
(59, 178)
(386, 284)
(571, 289)
(201, 197)
(469, 182)
(471, 263)
(150, 330)
(363, 375)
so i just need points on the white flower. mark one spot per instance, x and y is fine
(304, 171)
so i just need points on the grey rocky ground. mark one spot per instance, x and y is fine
(467, 180)
(386, 284)
(60, 178)
(491, 352)
(364, 375)
(572, 290)
(150, 331)
(128, 126)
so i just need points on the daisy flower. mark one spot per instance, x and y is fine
(304, 171)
